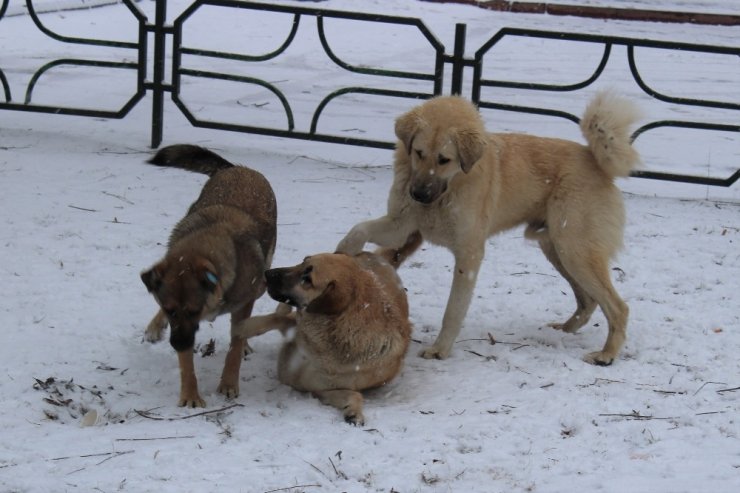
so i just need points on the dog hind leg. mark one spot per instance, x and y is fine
(591, 272)
(585, 303)
(347, 401)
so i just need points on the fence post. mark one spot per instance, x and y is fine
(160, 16)
(458, 59)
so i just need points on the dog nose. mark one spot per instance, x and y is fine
(422, 194)
(271, 275)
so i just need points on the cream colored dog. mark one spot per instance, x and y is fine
(458, 185)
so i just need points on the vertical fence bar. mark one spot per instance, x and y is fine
(160, 16)
(458, 59)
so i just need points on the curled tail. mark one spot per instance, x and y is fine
(605, 125)
(191, 158)
(396, 256)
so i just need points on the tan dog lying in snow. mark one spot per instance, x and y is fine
(351, 319)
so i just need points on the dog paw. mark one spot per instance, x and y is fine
(566, 327)
(283, 309)
(153, 335)
(191, 401)
(247, 348)
(230, 391)
(434, 352)
(599, 358)
(354, 418)
(353, 243)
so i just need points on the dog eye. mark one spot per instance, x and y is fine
(443, 160)
(169, 311)
(420, 154)
(306, 276)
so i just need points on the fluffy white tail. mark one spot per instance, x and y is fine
(605, 125)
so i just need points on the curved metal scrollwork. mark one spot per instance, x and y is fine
(631, 45)
(245, 80)
(362, 70)
(297, 13)
(71, 62)
(533, 85)
(139, 66)
(670, 99)
(6, 87)
(456, 61)
(96, 42)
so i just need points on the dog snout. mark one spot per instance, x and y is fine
(427, 192)
(182, 337)
(272, 276)
(276, 286)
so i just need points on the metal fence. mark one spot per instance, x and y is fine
(444, 61)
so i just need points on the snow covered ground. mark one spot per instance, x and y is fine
(82, 216)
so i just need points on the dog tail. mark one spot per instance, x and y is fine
(605, 125)
(191, 158)
(396, 256)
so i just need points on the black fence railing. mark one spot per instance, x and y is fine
(442, 60)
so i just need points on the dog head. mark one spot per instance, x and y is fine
(188, 290)
(442, 137)
(321, 284)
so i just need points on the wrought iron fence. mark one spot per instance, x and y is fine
(456, 62)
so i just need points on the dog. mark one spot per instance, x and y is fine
(352, 327)
(457, 185)
(215, 261)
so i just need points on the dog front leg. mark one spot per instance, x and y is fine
(229, 385)
(463, 284)
(385, 231)
(189, 396)
(261, 324)
(154, 330)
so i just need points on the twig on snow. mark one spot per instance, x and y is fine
(208, 412)
(294, 487)
(733, 389)
(319, 470)
(707, 383)
(710, 412)
(150, 439)
(115, 454)
(119, 197)
(145, 414)
(636, 415)
(81, 208)
(102, 454)
(339, 473)
(487, 358)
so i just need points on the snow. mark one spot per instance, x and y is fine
(82, 216)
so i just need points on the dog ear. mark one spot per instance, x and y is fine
(332, 301)
(470, 146)
(206, 272)
(152, 278)
(406, 127)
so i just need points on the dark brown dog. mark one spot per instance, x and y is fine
(352, 324)
(214, 263)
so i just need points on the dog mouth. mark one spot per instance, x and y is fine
(281, 297)
(427, 192)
